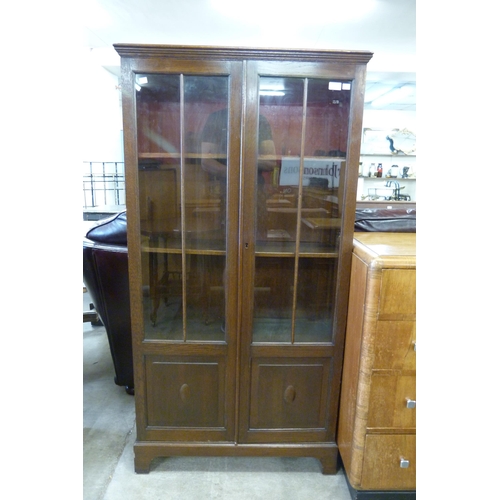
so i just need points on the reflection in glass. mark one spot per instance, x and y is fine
(298, 234)
(182, 204)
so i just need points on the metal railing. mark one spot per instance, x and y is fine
(103, 183)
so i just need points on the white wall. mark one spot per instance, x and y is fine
(102, 125)
(374, 118)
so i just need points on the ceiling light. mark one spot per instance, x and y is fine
(334, 85)
(339, 86)
(318, 12)
(272, 87)
(95, 16)
(274, 84)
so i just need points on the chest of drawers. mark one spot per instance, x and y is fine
(377, 421)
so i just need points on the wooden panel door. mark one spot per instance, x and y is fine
(289, 394)
(185, 391)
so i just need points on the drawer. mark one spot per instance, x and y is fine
(382, 462)
(398, 295)
(389, 395)
(394, 346)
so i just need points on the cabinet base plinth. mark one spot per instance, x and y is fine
(380, 495)
(145, 452)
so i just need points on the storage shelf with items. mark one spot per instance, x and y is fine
(388, 166)
(397, 180)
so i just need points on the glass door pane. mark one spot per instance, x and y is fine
(206, 128)
(298, 207)
(327, 118)
(182, 145)
(280, 132)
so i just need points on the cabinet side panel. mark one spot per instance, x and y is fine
(133, 237)
(352, 360)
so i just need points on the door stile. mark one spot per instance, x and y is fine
(247, 242)
(133, 244)
(241, 91)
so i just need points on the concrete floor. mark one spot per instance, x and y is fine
(108, 455)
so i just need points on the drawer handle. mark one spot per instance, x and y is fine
(404, 464)
(290, 394)
(184, 392)
(410, 403)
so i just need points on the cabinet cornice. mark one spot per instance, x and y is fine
(239, 53)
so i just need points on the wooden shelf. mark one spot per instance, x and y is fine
(199, 156)
(263, 249)
(388, 155)
(388, 178)
(320, 223)
(287, 249)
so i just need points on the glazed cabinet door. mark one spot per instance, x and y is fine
(295, 173)
(182, 181)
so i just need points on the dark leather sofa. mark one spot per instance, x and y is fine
(105, 274)
(384, 220)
